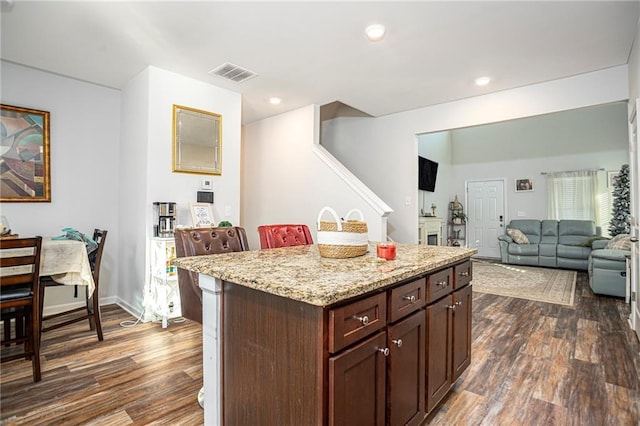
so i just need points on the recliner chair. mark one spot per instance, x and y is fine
(607, 270)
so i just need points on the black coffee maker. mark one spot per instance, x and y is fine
(166, 219)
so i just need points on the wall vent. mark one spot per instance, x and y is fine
(233, 72)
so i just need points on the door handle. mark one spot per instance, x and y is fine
(634, 239)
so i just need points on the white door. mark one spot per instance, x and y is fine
(485, 216)
(634, 178)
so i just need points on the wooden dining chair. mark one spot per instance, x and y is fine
(89, 312)
(274, 236)
(19, 304)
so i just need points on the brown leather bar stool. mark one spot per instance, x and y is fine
(197, 242)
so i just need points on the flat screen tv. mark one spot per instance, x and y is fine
(427, 172)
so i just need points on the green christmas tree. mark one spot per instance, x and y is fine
(619, 223)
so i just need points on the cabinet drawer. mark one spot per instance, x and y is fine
(439, 284)
(352, 322)
(407, 298)
(463, 274)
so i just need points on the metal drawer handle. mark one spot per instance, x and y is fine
(441, 284)
(411, 298)
(364, 320)
(453, 307)
(384, 351)
(464, 274)
(458, 303)
(397, 342)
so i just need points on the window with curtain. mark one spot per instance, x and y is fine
(573, 195)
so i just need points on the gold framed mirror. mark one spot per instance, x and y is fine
(197, 141)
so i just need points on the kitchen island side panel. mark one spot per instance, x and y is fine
(273, 359)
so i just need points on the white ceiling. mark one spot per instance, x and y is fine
(316, 52)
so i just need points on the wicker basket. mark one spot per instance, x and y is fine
(342, 239)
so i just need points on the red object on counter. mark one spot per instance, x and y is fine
(386, 251)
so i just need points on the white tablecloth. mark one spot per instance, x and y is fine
(67, 262)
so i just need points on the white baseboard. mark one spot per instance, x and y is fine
(134, 311)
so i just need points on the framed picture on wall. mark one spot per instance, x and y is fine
(202, 215)
(524, 185)
(24, 155)
(611, 178)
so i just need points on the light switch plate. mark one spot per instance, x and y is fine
(207, 184)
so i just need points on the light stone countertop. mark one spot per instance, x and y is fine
(301, 274)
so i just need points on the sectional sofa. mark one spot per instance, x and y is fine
(550, 243)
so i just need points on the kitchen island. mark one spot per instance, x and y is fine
(292, 338)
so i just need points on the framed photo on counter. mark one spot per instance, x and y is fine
(202, 215)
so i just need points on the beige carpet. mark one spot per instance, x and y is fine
(525, 282)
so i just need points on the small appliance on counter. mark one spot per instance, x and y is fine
(165, 213)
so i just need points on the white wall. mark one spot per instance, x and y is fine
(147, 130)
(437, 147)
(585, 138)
(84, 141)
(284, 181)
(390, 141)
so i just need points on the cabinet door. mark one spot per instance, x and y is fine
(438, 350)
(461, 331)
(406, 388)
(357, 383)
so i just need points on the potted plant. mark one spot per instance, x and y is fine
(458, 217)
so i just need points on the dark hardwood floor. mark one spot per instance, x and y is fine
(532, 364)
(140, 375)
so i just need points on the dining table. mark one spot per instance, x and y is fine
(66, 262)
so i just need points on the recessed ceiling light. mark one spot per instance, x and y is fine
(482, 81)
(375, 32)
(275, 101)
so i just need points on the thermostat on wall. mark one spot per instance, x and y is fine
(205, 197)
(207, 184)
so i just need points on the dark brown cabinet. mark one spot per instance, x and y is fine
(357, 384)
(438, 345)
(461, 331)
(386, 358)
(381, 380)
(405, 390)
(448, 344)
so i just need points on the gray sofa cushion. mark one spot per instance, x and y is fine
(549, 230)
(531, 228)
(523, 249)
(548, 250)
(610, 254)
(573, 252)
(574, 232)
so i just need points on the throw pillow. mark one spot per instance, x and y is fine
(517, 236)
(620, 242)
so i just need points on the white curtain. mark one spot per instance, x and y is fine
(573, 195)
